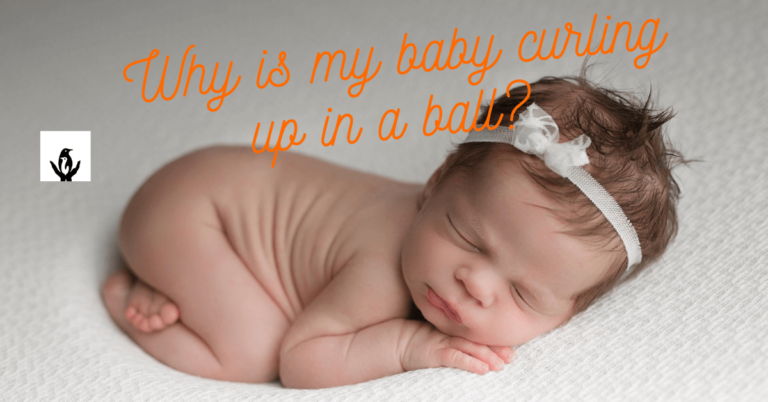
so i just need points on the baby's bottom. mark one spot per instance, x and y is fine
(229, 328)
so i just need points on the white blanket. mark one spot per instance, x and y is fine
(692, 327)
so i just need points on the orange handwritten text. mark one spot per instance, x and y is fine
(281, 63)
(339, 119)
(462, 126)
(527, 95)
(192, 67)
(278, 146)
(392, 133)
(362, 77)
(600, 48)
(439, 44)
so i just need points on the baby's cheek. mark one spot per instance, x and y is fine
(504, 331)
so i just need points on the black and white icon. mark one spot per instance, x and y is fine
(65, 156)
(64, 169)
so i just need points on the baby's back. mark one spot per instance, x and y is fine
(297, 224)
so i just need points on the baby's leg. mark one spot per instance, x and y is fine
(171, 238)
(198, 358)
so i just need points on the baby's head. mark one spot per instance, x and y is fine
(514, 248)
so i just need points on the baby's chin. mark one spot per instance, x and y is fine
(479, 338)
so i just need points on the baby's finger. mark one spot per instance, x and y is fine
(505, 352)
(449, 357)
(482, 352)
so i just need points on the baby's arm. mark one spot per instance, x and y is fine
(353, 332)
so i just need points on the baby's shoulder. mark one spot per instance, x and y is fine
(376, 233)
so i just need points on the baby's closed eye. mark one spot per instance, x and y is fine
(514, 290)
(464, 239)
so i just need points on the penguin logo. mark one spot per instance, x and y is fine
(64, 169)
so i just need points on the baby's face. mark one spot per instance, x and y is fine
(492, 251)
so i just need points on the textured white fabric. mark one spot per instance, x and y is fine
(693, 327)
(535, 132)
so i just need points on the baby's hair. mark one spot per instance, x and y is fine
(629, 157)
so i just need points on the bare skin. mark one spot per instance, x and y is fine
(241, 272)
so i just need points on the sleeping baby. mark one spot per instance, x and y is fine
(321, 276)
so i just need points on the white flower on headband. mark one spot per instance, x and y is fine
(536, 133)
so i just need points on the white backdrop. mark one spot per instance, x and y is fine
(692, 327)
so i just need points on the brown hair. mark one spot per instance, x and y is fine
(629, 157)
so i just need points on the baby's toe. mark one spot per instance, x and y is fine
(142, 324)
(136, 320)
(169, 313)
(156, 323)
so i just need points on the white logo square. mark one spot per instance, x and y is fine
(65, 156)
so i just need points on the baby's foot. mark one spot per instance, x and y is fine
(149, 310)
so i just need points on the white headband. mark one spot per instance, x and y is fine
(536, 133)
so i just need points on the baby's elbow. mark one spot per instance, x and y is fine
(293, 374)
(300, 373)
(292, 379)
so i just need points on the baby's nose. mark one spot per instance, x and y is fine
(475, 285)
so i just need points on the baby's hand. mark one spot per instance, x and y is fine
(431, 348)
